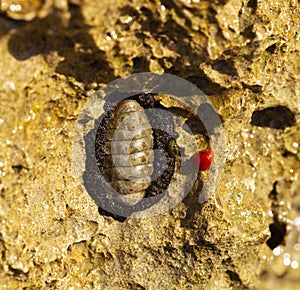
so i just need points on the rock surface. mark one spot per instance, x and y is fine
(243, 54)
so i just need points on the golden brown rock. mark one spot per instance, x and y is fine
(243, 54)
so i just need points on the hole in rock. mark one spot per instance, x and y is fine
(278, 231)
(278, 117)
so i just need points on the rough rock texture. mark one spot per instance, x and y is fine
(243, 54)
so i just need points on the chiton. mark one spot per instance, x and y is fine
(128, 160)
(136, 153)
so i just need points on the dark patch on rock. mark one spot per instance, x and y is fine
(277, 228)
(278, 231)
(278, 117)
(225, 67)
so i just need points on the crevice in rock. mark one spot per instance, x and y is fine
(248, 32)
(253, 88)
(233, 276)
(17, 168)
(135, 286)
(271, 49)
(236, 280)
(279, 117)
(252, 4)
(205, 84)
(225, 67)
(277, 228)
(278, 231)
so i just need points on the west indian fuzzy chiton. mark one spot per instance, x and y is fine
(132, 153)
(128, 160)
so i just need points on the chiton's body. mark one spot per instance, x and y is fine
(128, 163)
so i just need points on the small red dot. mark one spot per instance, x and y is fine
(203, 159)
